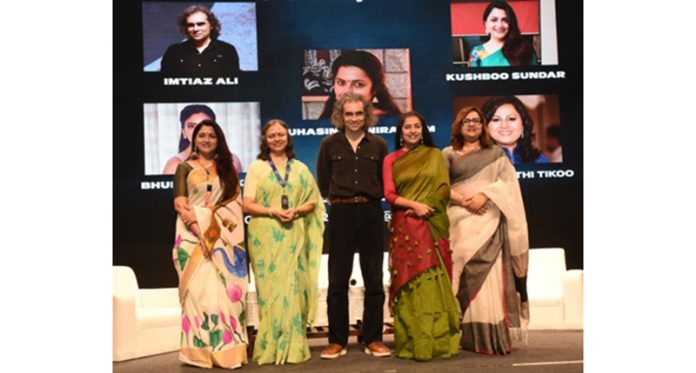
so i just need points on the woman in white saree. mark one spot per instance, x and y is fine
(209, 254)
(488, 237)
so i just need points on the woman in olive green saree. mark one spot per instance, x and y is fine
(426, 315)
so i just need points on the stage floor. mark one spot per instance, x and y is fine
(548, 351)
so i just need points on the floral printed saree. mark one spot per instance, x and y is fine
(212, 291)
(285, 259)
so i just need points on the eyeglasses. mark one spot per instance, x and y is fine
(471, 122)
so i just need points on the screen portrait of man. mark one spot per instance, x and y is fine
(201, 53)
(215, 39)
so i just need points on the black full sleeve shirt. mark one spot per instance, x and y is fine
(217, 59)
(342, 173)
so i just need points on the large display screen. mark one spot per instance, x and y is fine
(286, 59)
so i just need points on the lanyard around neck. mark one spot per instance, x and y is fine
(283, 183)
(209, 180)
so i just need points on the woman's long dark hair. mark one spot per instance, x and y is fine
(223, 160)
(528, 153)
(370, 64)
(427, 138)
(517, 50)
(265, 150)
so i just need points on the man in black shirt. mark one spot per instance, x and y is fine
(202, 54)
(349, 175)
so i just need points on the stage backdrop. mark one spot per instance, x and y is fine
(286, 50)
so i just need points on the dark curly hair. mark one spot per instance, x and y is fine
(265, 151)
(337, 114)
(215, 26)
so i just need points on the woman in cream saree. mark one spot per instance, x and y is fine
(488, 237)
(209, 255)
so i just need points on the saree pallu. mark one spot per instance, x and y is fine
(490, 252)
(426, 315)
(212, 291)
(285, 259)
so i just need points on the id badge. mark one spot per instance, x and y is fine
(284, 203)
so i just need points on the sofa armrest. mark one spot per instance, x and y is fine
(573, 298)
(124, 327)
(124, 290)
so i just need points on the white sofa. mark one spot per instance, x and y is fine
(145, 321)
(555, 294)
(148, 321)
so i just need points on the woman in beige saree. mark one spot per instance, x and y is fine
(488, 237)
(209, 254)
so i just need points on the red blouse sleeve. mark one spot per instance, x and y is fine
(387, 178)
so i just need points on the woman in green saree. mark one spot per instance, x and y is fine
(416, 184)
(285, 238)
(209, 254)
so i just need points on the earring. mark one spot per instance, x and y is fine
(375, 100)
(401, 141)
(522, 135)
(421, 141)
